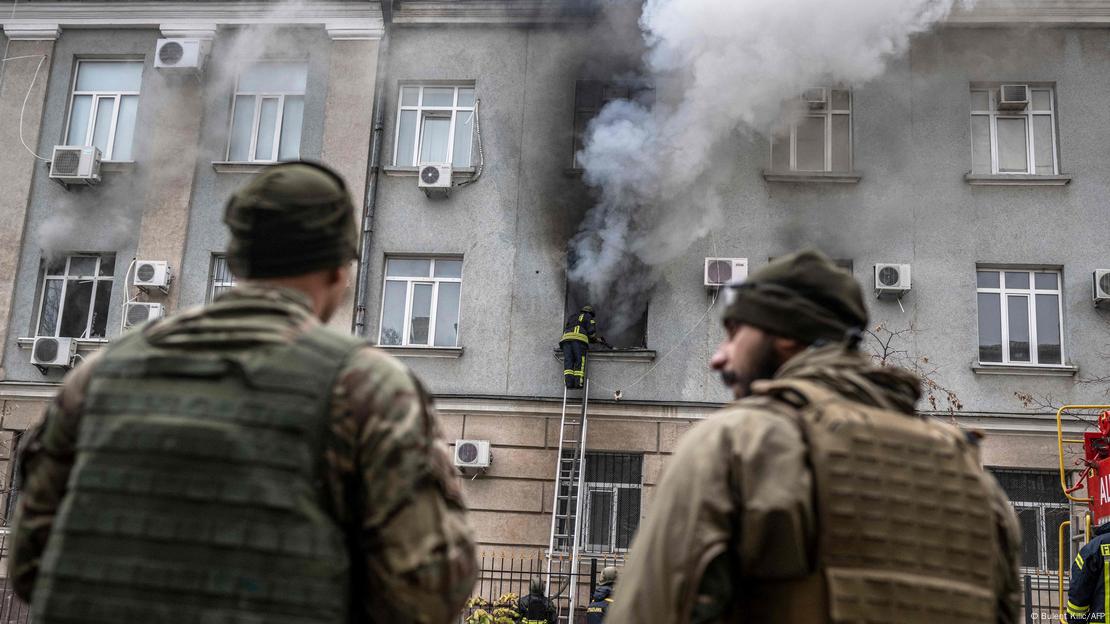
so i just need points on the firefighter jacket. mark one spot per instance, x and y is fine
(1088, 600)
(599, 604)
(229, 464)
(823, 498)
(536, 609)
(581, 327)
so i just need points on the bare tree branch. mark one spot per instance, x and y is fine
(886, 346)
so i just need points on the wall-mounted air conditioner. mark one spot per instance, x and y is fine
(724, 271)
(892, 279)
(180, 54)
(139, 312)
(1101, 286)
(152, 274)
(472, 454)
(1013, 97)
(52, 352)
(435, 178)
(75, 164)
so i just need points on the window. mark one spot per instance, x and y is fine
(617, 331)
(104, 106)
(267, 112)
(435, 124)
(822, 139)
(590, 96)
(1013, 141)
(1020, 316)
(76, 295)
(613, 487)
(220, 279)
(420, 305)
(1041, 507)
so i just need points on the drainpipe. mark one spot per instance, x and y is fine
(362, 284)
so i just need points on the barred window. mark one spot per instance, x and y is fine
(1041, 507)
(611, 509)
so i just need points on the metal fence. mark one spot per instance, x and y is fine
(1041, 598)
(12, 609)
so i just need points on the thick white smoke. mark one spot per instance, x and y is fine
(721, 66)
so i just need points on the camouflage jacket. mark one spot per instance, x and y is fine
(384, 446)
(736, 504)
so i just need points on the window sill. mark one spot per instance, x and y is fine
(426, 352)
(617, 355)
(812, 177)
(117, 166)
(83, 345)
(573, 172)
(225, 166)
(1024, 369)
(412, 172)
(983, 179)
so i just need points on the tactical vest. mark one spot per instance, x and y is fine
(197, 493)
(904, 530)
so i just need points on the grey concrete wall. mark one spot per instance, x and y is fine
(913, 205)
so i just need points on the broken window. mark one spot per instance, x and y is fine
(267, 113)
(623, 324)
(822, 139)
(1015, 135)
(220, 279)
(590, 96)
(420, 303)
(435, 124)
(76, 296)
(104, 106)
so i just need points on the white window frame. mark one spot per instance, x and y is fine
(1043, 564)
(614, 515)
(423, 112)
(1031, 301)
(827, 115)
(66, 278)
(1028, 114)
(97, 98)
(411, 282)
(259, 97)
(214, 283)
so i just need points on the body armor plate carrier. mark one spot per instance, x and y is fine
(904, 531)
(197, 493)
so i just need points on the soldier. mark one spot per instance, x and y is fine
(536, 608)
(819, 496)
(602, 597)
(241, 462)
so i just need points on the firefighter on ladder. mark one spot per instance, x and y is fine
(578, 333)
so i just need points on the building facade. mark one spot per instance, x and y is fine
(994, 207)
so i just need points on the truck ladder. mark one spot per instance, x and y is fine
(566, 530)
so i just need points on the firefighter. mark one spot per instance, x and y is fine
(1088, 600)
(535, 608)
(820, 495)
(602, 597)
(579, 332)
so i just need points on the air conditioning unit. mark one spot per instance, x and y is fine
(725, 271)
(51, 352)
(73, 164)
(435, 177)
(892, 279)
(180, 54)
(1101, 286)
(815, 98)
(1013, 97)
(137, 313)
(152, 274)
(472, 454)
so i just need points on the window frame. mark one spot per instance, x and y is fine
(1030, 295)
(97, 96)
(410, 283)
(615, 489)
(608, 91)
(259, 97)
(424, 112)
(65, 278)
(827, 115)
(213, 284)
(993, 115)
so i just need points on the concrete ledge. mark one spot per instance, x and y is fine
(982, 179)
(1022, 369)
(813, 177)
(412, 172)
(427, 352)
(83, 345)
(616, 355)
(224, 166)
(117, 166)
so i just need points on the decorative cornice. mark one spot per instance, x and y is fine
(186, 16)
(32, 32)
(189, 30)
(353, 30)
(1042, 12)
(491, 12)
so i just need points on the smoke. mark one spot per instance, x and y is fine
(723, 68)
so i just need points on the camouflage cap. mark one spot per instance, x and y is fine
(803, 296)
(294, 218)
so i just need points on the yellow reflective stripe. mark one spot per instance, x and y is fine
(608, 600)
(1074, 609)
(1079, 560)
(1106, 586)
